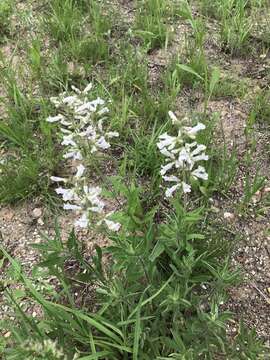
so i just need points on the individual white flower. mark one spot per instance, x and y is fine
(167, 153)
(80, 171)
(102, 143)
(103, 111)
(83, 221)
(67, 194)
(58, 179)
(200, 173)
(73, 207)
(88, 88)
(52, 119)
(65, 131)
(65, 123)
(169, 192)
(54, 100)
(166, 141)
(72, 101)
(173, 118)
(112, 134)
(192, 131)
(199, 149)
(200, 157)
(113, 226)
(76, 155)
(89, 106)
(98, 209)
(89, 132)
(171, 178)
(186, 187)
(68, 140)
(74, 88)
(165, 168)
(92, 195)
(184, 159)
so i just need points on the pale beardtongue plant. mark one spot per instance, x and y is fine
(82, 132)
(183, 156)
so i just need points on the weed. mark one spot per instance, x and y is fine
(230, 87)
(64, 20)
(235, 26)
(6, 9)
(151, 24)
(29, 141)
(261, 107)
(137, 284)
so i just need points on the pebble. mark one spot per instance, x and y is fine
(36, 213)
(228, 215)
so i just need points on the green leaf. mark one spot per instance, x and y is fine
(189, 70)
(99, 355)
(137, 334)
(214, 80)
(91, 321)
(158, 249)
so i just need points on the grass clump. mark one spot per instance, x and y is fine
(260, 112)
(6, 9)
(151, 24)
(30, 152)
(146, 309)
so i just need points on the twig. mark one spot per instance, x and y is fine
(266, 298)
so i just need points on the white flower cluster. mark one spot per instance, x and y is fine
(182, 154)
(82, 133)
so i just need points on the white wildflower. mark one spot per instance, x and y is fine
(76, 155)
(200, 173)
(171, 178)
(169, 192)
(102, 143)
(186, 187)
(182, 156)
(192, 131)
(88, 88)
(80, 171)
(113, 226)
(112, 134)
(73, 207)
(68, 140)
(58, 179)
(173, 118)
(184, 159)
(165, 168)
(82, 131)
(67, 194)
(52, 119)
(74, 88)
(103, 111)
(83, 221)
(166, 140)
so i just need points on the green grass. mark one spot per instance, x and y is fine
(151, 24)
(6, 9)
(155, 292)
(260, 111)
(29, 144)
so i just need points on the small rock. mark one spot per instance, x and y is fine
(40, 222)
(36, 213)
(228, 215)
